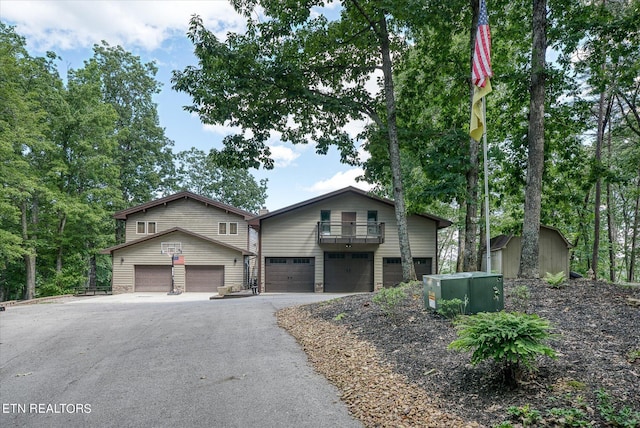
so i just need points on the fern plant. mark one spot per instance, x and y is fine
(389, 298)
(555, 281)
(512, 339)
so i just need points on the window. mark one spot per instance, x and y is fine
(143, 228)
(372, 223)
(325, 219)
(227, 228)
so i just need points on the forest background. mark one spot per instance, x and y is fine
(75, 151)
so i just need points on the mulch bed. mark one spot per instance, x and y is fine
(598, 328)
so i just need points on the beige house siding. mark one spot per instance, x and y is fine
(294, 234)
(194, 250)
(553, 255)
(193, 215)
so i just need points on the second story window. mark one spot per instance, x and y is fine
(325, 219)
(225, 228)
(145, 227)
(372, 223)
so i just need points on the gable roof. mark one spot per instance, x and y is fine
(122, 215)
(499, 242)
(440, 222)
(175, 229)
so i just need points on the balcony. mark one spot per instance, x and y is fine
(350, 233)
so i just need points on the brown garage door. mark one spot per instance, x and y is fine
(153, 278)
(348, 272)
(204, 279)
(392, 269)
(289, 274)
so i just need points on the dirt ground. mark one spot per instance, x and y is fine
(598, 348)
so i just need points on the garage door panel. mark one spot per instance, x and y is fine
(392, 269)
(348, 272)
(289, 274)
(204, 279)
(152, 278)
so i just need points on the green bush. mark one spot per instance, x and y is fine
(389, 298)
(511, 339)
(625, 417)
(451, 309)
(555, 281)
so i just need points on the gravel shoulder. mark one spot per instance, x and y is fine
(397, 370)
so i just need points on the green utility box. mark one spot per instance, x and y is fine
(479, 291)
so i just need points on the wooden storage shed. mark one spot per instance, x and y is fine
(553, 253)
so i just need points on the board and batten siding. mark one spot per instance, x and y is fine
(193, 215)
(294, 234)
(194, 250)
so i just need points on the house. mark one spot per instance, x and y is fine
(343, 241)
(553, 253)
(184, 242)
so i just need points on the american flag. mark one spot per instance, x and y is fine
(481, 69)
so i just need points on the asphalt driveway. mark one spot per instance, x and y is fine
(152, 360)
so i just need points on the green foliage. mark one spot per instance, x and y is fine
(572, 417)
(521, 296)
(199, 173)
(389, 298)
(625, 417)
(511, 339)
(633, 355)
(340, 316)
(451, 309)
(525, 415)
(555, 280)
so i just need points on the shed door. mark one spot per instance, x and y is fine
(348, 272)
(392, 269)
(289, 274)
(152, 278)
(204, 279)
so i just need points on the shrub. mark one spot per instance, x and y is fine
(451, 308)
(625, 417)
(389, 298)
(555, 281)
(521, 296)
(511, 339)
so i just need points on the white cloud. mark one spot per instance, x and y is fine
(222, 130)
(144, 24)
(339, 181)
(283, 156)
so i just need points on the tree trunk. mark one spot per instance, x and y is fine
(482, 242)
(470, 254)
(408, 270)
(529, 259)
(611, 224)
(30, 255)
(61, 225)
(598, 191)
(92, 274)
(634, 237)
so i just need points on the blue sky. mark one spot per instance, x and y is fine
(155, 31)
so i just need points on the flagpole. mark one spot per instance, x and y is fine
(486, 184)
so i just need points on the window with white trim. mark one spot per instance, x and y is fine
(227, 228)
(145, 227)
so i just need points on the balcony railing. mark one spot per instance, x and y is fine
(350, 232)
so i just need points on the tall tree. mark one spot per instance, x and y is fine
(529, 258)
(199, 174)
(144, 156)
(304, 77)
